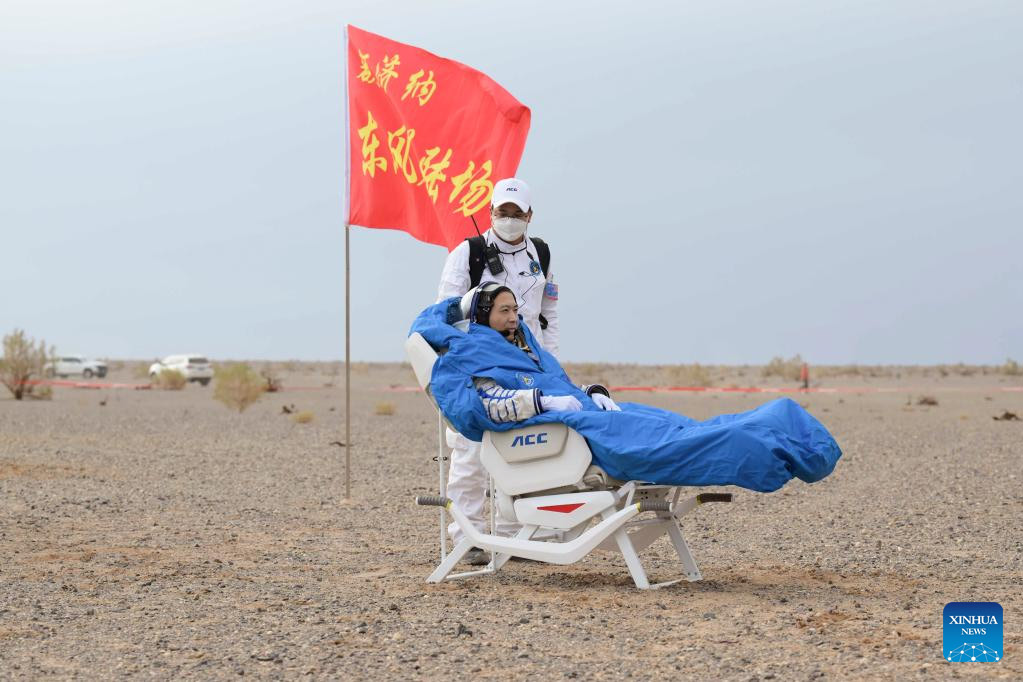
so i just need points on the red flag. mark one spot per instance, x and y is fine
(428, 138)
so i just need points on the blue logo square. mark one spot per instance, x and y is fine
(972, 632)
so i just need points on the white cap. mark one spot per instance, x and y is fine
(511, 190)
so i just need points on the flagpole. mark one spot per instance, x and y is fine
(348, 277)
(348, 366)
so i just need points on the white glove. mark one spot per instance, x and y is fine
(560, 403)
(605, 403)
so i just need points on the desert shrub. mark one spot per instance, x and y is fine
(238, 386)
(140, 370)
(872, 371)
(384, 409)
(688, 375)
(964, 370)
(272, 382)
(304, 417)
(1011, 367)
(958, 368)
(170, 380)
(828, 371)
(786, 369)
(23, 359)
(927, 400)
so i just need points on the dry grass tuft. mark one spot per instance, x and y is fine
(927, 400)
(304, 417)
(384, 409)
(688, 375)
(170, 380)
(786, 369)
(865, 371)
(959, 369)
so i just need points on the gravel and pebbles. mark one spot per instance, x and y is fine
(158, 534)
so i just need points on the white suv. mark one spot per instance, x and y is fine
(67, 365)
(194, 367)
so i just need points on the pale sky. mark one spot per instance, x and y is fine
(720, 182)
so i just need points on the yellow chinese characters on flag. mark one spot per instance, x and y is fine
(428, 137)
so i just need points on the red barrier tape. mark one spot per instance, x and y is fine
(644, 389)
(815, 389)
(771, 389)
(140, 387)
(86, 384)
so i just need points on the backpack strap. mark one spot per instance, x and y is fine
(477, 248)
(543, 252)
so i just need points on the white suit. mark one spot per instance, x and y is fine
(536, 295)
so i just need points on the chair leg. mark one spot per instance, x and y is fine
(446, 566)
(631, 559)
(684, 555)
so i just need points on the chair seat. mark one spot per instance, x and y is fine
(553, 456)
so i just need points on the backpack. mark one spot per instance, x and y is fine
(477, 262)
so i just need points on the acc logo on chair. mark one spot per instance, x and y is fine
(530, 439)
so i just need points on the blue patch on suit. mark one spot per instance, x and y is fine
(534, 268)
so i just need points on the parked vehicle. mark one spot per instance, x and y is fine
(75, 365)
(194, 367)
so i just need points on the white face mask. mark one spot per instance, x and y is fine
(509, 229)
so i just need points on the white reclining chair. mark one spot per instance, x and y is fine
(543, 477)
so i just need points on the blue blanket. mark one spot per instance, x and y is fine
(760, 450)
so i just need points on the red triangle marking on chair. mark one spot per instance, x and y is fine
(562, 508)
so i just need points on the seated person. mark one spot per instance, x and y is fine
(494, 306)
(494, 376)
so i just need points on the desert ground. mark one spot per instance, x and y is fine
(159, 534)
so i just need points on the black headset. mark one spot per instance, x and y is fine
(483, 301)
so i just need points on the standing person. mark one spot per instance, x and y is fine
(506, 255)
